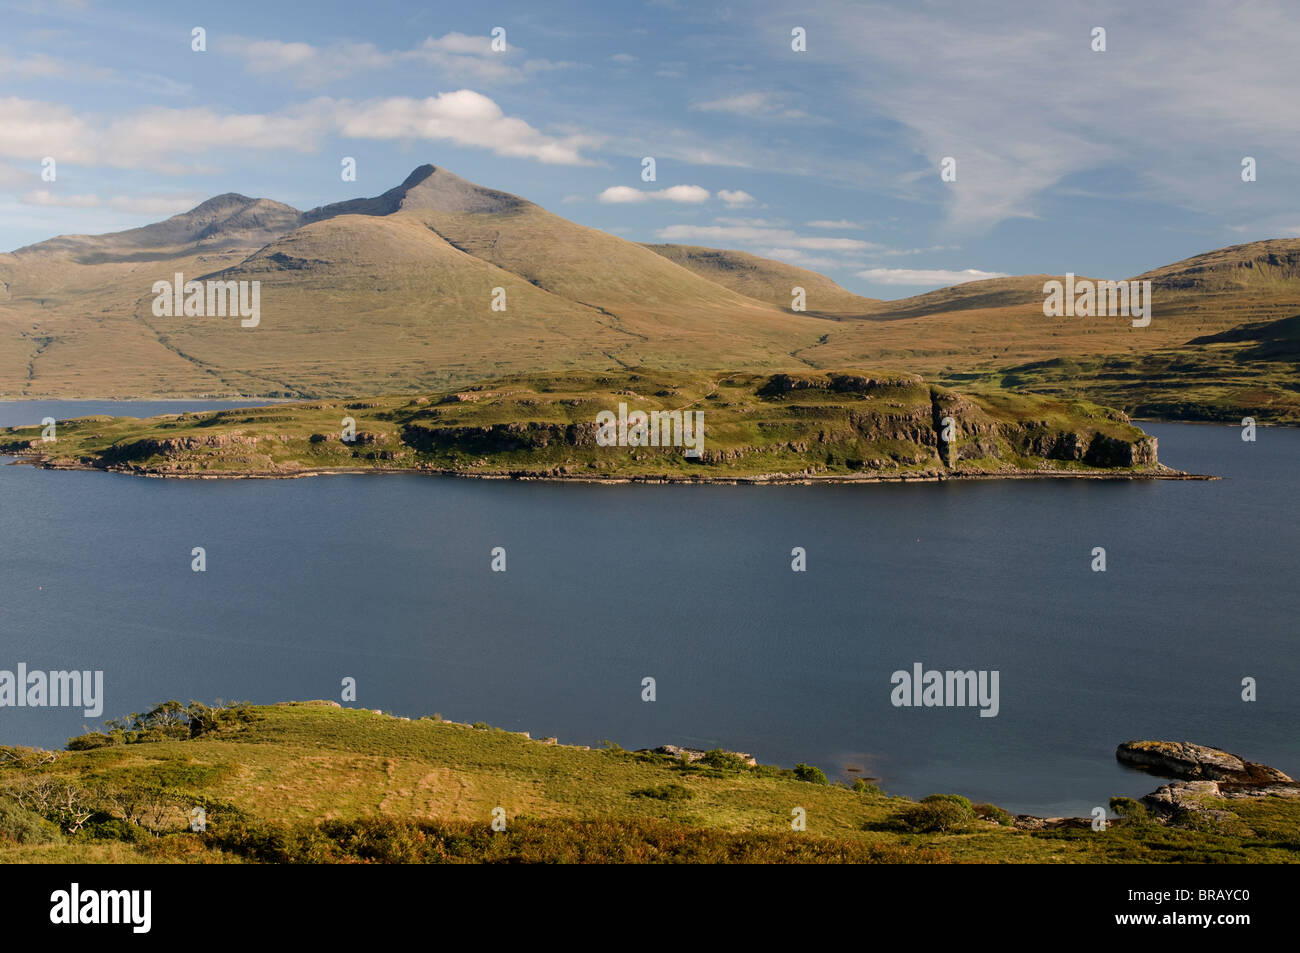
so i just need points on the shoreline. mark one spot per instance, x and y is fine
(44, 462)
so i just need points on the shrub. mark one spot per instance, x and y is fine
(724, 760)
(94, 739)
(991, 812)
(862, 787)
(21, 826)
(1135, 812)
(938, 814)
(170, 721)
(806, 772)
(665, 792)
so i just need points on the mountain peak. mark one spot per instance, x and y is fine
(428, 188)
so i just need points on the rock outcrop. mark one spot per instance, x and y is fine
(692, 755)
(1193, 762)
(1207, 774)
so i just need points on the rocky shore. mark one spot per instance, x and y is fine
(561, 474)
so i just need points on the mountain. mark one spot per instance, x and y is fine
(403, 292)
(766, 280)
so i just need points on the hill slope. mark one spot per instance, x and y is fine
(766, 280)
(352, 785)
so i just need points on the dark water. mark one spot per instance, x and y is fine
(387, 580)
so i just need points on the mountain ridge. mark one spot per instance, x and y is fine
(404, 291)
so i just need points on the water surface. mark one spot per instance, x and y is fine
(387, 579)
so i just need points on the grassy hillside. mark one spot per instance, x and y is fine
(1250, 370)
(317, 783)
(766, 280)
(850, 425)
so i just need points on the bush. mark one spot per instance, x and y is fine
(806, 772)
(20, 826)
(724, 760)
(665, 792)
(862, 787)
(94, 739)
(1135, 812)
(991, 812)
(938, 814)
(170, 721)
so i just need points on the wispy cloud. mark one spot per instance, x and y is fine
(133, 204)
(755, 105)
(459, 55)
(1018, 97)
(921, 276)
(841, 223)
(768, 237)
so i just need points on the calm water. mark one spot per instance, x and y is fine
(387, 580)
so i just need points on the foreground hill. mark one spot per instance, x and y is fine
(848, 426)
(311, 782)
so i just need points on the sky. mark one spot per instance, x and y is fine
(1067, 157)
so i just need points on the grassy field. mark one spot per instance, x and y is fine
(312, 782)
(847, 425)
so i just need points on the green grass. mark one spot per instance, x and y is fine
(313, 782)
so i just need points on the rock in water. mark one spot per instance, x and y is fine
(1193, 762)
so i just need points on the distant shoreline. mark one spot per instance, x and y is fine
(777, 479)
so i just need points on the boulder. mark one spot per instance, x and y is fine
(1193, 762)
(693, 755)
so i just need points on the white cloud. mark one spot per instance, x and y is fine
(793, 256)
(920, 251)
(754, 105)
(155, 204)
(756, 222)
(459, 55)
(623, 59)
(154, 138)
(305, 64)
(842, 223)
(136, 205)
(60, 199)
(767, 237)
(735, 198)
(917, 277)
(464, 117)
(626, 195)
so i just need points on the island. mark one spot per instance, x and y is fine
(637, 425)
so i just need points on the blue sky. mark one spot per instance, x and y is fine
(1101, 163)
